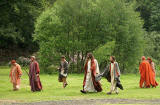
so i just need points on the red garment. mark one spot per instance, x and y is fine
(35, 82)
(18, 72)
(97, 85)
(147, 75)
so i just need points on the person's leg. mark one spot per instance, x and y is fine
(17, 87)
(112, 88)
(116, 89)
(14, 87)
(141, 83)
(64, 82)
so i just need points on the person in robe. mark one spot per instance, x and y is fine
(15, 75)
(152, 66)
(147, 78)
(63, 70)
(91, 70)
(34, 78)
(114, 74)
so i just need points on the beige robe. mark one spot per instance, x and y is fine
(15, 74)
(89, 87)
(113, 81)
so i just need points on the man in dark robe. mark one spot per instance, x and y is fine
(91, 70)
(34, 78)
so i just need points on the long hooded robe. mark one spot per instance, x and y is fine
(15, 74)
(147, 78)
(89, 83)
(35, 82)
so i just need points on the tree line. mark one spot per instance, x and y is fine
(127, 29)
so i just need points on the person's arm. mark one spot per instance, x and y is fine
(117, 69)
(153, 66)
(66, 67)
(19, 71)
(97, 67)
(106, 70)
(140, 68)
(37, 68)
(10, 72)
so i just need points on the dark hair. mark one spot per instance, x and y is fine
(63, 57)
(90, 56)
(13, 61)
(113, 58)
(149, 59)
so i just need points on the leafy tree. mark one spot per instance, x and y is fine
(17, 18)
(76, 27)
(152, 45)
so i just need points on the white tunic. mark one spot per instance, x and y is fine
(113, 82)
(89, 87)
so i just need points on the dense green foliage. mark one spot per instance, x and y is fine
(76, 27)
(149, 10)
(17, 23)
(17, 18)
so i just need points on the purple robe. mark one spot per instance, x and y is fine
(35, 82)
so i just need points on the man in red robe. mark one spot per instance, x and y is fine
(147, 76)
(91, 70)
(34, 78)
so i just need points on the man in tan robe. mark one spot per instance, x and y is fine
(15, 74)
(115, 74)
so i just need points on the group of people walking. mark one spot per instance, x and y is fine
(91, 84)
(148, 73)
(34, 79)
(92, 76)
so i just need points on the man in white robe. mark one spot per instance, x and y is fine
(91, 70)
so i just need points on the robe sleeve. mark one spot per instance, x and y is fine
(117, 69)
(97, 67)
(140, 68)
(153, 67)
(10, 74)
(66, 67)
(19, 70)
(37, 68)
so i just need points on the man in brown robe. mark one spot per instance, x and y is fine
(34, 78)
(91, 70)
(15, 75)
(63, 70)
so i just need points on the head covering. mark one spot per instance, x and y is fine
(13, 61)
(143, 58)
(149, 59)
(33, 57)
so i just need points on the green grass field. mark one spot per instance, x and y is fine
(52, 89)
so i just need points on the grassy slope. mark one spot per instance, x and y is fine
(52, 89)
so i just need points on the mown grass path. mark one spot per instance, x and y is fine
(53, 91)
